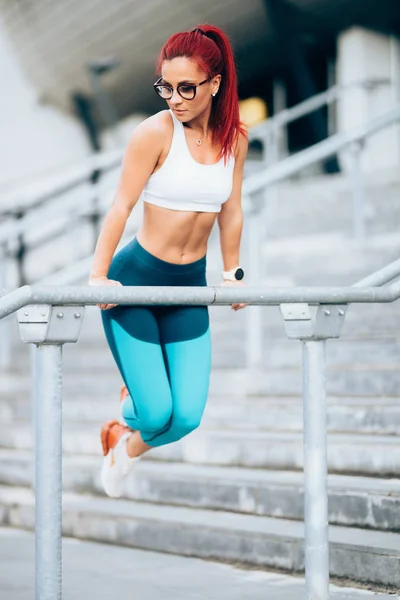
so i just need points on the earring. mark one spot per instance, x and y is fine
(215, 93)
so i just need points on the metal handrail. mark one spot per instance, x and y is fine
(382, 276)
(25, 197)
(205, 296)
(293, 164)
(48, 392)
(304, 108)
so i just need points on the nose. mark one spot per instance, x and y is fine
(175, 99)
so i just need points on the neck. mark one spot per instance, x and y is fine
(201, 123)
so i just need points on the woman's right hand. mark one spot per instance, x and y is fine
(103, 280)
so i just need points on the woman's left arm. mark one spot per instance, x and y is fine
(230, 219)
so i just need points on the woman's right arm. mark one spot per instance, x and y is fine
(140, 159)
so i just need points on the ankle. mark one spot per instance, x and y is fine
(131, 447)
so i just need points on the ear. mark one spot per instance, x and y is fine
(215, 83)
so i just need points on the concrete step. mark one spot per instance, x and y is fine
(325, 204)
(353, 501)
(342, 380)
(360, 555)
(370, 455)
(382, 416)
(358, 380)
(230, 351)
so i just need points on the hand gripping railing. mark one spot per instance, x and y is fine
(52, 316)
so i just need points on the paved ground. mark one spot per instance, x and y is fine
(96, 571)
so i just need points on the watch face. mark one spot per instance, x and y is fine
(239, 274)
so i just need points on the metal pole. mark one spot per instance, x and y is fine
(48, 472)
(255, 313)
(279, 103)
(358, 194)
(331, 106)
(5, 324)
(34, 399)
(315, 471)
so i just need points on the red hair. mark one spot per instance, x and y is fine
(211, 49)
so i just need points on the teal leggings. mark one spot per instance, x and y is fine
(163, 352)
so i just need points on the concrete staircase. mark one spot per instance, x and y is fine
(233, 489)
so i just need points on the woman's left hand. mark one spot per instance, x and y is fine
(235, 284)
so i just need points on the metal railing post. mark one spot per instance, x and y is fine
(254, 337)
(315, 471)
(357, 181)
(34, 397)
(48, 327)
(48, 469)
(5, 324)
(313, 330)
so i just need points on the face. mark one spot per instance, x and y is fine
(184, 70)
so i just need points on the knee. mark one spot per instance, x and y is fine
(155, 420)
(185, 424)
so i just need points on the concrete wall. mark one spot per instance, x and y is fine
(34, 137)
(367, 56)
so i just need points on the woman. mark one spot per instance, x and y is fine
(188, 162)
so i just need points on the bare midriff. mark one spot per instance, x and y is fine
(175, 236)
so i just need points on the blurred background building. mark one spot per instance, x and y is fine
(71, 69)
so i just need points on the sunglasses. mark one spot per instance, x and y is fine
(187, 91)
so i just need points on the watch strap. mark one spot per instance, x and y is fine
(230, 275)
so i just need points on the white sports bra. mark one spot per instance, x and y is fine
(182, 183)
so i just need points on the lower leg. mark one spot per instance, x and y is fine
(135, 446)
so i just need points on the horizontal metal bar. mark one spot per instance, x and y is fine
(384, 275)
(302, 109)
(307, 106)
(319, 100)
(293, 113)
(205, 296)
(30, 196)
(27, 225)
(318, 152)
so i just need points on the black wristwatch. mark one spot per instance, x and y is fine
(235, 274)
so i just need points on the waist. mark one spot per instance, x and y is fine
(134, 265)
(154, 262)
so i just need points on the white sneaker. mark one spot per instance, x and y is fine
(116, 463)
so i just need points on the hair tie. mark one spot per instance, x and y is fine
(198, 29)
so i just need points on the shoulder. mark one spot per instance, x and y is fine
(242, 144)
(153, 131)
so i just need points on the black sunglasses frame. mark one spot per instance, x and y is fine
(192, 85)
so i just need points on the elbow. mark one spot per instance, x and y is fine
(121, 207)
